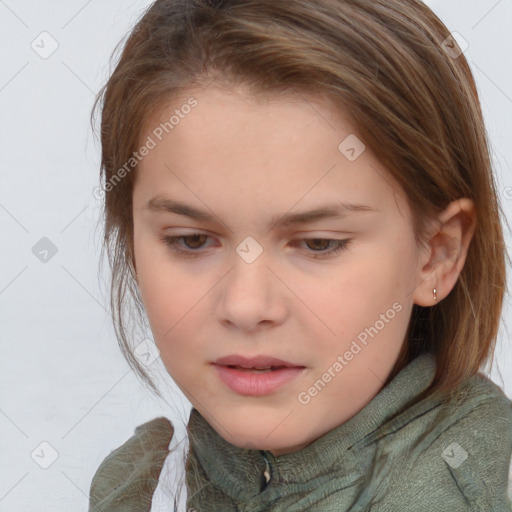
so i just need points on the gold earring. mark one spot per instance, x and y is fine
(435, 294)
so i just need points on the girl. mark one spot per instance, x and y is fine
(299, 196)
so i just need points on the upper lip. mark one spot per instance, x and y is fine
(260, 361)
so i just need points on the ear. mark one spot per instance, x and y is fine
(442, 262)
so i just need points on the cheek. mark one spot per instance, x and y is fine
(172, 311)
(376, 284)
(172, 301)
(165, 300)
(159, 288)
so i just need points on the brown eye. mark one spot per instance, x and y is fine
(319, 248)
(190, 248)
(195, 242)
(319, 244)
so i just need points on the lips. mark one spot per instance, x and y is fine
(260, 362)
(256, 376)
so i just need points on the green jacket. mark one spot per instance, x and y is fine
(433, 456)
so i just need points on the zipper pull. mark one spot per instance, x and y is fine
(267, 472)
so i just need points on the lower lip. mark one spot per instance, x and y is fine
(245, 382)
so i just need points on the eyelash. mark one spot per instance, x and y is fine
(172, 243)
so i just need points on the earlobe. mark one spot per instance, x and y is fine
(447, 250)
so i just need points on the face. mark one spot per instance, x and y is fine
(329, 294)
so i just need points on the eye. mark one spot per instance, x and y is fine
(338, 246)
(194, 241)
(173, 243)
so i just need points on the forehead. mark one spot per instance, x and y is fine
(290, 146)
(248, 100)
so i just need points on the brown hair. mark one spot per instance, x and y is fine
(390, 65)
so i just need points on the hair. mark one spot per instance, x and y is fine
(387, 64)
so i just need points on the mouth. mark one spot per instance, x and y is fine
(257, 376)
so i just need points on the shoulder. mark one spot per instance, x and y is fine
(128, 476)
(478, 444)
(461, 452)
(480, 416)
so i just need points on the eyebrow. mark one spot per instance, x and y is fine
(330, 211)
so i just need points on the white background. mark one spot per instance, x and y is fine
(62, 377)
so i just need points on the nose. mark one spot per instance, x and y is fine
(252, 296)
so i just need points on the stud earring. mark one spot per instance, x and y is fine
(435, 294)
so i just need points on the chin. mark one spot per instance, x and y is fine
(252, 439)
(258, 443)
(264, 429)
